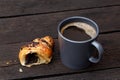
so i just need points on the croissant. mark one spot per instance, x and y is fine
(39, 51)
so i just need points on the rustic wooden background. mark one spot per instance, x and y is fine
(23, 20)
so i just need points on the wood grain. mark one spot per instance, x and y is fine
(18, 7)
(9, 53)
(110, 74)
(26, 28)
(22, 21)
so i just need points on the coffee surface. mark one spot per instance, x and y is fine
(75, 33)
(78, 31)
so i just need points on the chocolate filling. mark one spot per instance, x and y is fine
(31, 58)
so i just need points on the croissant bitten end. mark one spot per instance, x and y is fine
(39, 51)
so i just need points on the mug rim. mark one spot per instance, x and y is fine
(79, 17)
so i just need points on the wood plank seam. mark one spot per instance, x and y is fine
(13, 16)
(108, 32)
(65, 74)
(101, 33)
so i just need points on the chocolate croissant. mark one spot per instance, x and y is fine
(39, 51)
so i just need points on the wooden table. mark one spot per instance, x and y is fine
(23, 20)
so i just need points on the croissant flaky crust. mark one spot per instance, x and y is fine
(39, 51)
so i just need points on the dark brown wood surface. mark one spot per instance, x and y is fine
(110, 60)
(110, 74)
(33, 7)
(26, 28)
(22, 21)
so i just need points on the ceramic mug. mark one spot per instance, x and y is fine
(78, 54)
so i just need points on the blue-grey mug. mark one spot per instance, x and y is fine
(77, 54)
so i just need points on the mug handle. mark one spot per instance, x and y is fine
(100, 52)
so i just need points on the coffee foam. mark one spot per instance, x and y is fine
(89, 30)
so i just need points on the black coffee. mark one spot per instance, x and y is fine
(78, 31)
(75, 34)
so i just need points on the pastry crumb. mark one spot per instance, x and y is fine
(20, 70)
(7, 62)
